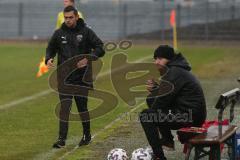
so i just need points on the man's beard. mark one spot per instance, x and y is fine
(162, 70)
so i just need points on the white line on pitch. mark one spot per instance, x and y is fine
(25, 99)
(99, 132)
(46, 92)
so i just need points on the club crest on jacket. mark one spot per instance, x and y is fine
(79, 37)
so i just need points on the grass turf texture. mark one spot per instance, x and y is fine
(29, 129)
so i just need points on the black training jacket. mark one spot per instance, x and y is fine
(186, 92)
(70, 42)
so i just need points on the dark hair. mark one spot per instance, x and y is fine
(70, 9)
(72, 1)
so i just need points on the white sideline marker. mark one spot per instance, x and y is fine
(48, 91)
(99, 132)
(25, 99)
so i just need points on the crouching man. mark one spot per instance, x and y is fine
(176, 101)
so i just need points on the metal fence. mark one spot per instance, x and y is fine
(120, 19)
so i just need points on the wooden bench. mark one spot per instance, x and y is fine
(209, 143)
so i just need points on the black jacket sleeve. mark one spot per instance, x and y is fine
(167, 91)
(52, 47)
(96, 44)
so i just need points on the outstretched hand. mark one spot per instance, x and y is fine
(151, 85)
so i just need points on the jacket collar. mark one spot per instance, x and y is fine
(80, 24)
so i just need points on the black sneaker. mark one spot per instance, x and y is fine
(86, 139)
(59, 144)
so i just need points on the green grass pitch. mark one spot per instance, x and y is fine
(27, 130)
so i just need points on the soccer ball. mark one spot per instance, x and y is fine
(141, 154)
(117, 154)
(149, 150)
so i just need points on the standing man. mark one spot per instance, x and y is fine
(60, 17)
(177, 101)
(74, 39)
